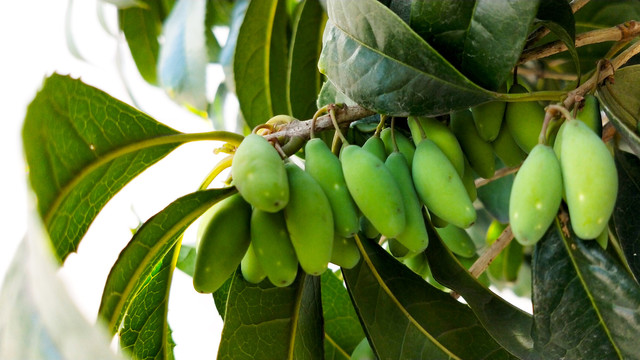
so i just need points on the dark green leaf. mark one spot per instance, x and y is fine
(38, 318)
(219, 12)
(141, 27)
(622, 104)
(495, 38)
(508, 325)
(586, 306)
(147, 248)
(187, 259)
(221, 296)
(341, 325)
(82, 146)
(267, 322)
(304, 79)
(260, 62)
(557, 16)
(495, 196)
(183, 54)
(402, 8)
(627, 207)
(329, 94)
(406, 318)
(374, 58)
(145, 331)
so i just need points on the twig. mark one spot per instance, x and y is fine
(499, 174)
(546, 74)
(492, 252)
(543, 31)
(621, 32)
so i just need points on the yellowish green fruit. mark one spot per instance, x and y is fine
(273, 248)
(469, 181)
(590, 179)
(590, 114)
(488, 119)
(524, 120)
(309, 221)
(345, 252)
(250, 267)
(457, 240)
(225, 239)
(477, 151)
(259, 175)
(442, 136)
(363, 351)
(439, 186)
(367, 228)
(405, 146)
(506, 148)
(375, 146)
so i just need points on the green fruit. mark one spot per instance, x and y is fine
(469, 181)
(467, 262)
(374, 190)
(309, 221)
(488, 119)
(367, 228)
(590, 179)
(250, 267)
(603, 238)
(224, 242)
(439, 186)
(478, 151)
(418, 264)
(536, 195)
(273, 248)
(414, 236)
(363, 351)
(398, 250)
(590, 114)
(506, 148)
(259, 175)
(524, 120)
(326, 169)
(436, 221)
(375, 145)
(405, 146)
(457, 240)
(442, 136)
(345, 252)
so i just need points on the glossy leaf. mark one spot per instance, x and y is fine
(304, 80)
(329, 94)
(495, 197)
(82, 146)
(221, 295)
(141, 27)
(406, 318)
(38, 318)
(183, 54)
(557, 16)
(364, 42)
(147, 248)
(186, 259)
(260, 62)
(496, 35)
(267, 322)
(625, 222)
(145, 332)
(577, 280)
(508, 325)
(342, 330)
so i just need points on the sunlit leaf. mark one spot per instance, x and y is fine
(141, 27)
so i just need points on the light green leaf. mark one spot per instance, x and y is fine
(147, 248)
(374, 58)
(38, 319)
(267, 322)
(187, 259)
(183, 54)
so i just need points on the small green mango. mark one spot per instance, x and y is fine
(477, 151)
(345, 252)
(506, 148)
(250, 267)
(469, 182)
(375, 145)
(273, 248)
(488, 119)
(405, 146)
(457, 240)
(590, 114)
(524, 120)
(441, 135)
(363, 351)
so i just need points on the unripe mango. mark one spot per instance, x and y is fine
(250, 267)
(309, 221)
(374, 190)
(488, 119)
(506, 148)
(273, 248)
(368, 230)
(536, 195)
(405, 146)
(375, 145)
(457, 240)
(363, 351)
(442, 136)
(478, 152)
(469, 182)
(590, 179)
(345, 252)
(439, 186)
(259, 175)
(398, 250)
(225, 240)
(590, 114)
(414, 236)
(326, 169)
(524, 120)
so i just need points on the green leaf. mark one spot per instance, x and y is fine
(186, 259)
(183, 54)
(406, 318)
(508, 325)
(147, 248)
(145, 331)
(304, 80)
(260, 62)
(495, 196)
(82, 146)
(141, 27)
(621, 104)
(38, 318)
(586, 306)
(267, 322)
(365, 42)
(557, 16)
(329, 94)
(228, 51)
(627, 205)
(342, 330)
(496, 35)
(216, 108)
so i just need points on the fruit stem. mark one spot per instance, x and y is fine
(534, 96)
(393, 134)
(479, 182)
(383, 119)
(332, 115)
(322, 110)
(220, 166)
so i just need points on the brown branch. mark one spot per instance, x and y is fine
(480, 265)
(499, 174)
(543, 31)
(621, 32)
(546, 74)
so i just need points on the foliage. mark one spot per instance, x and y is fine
(387, 60)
